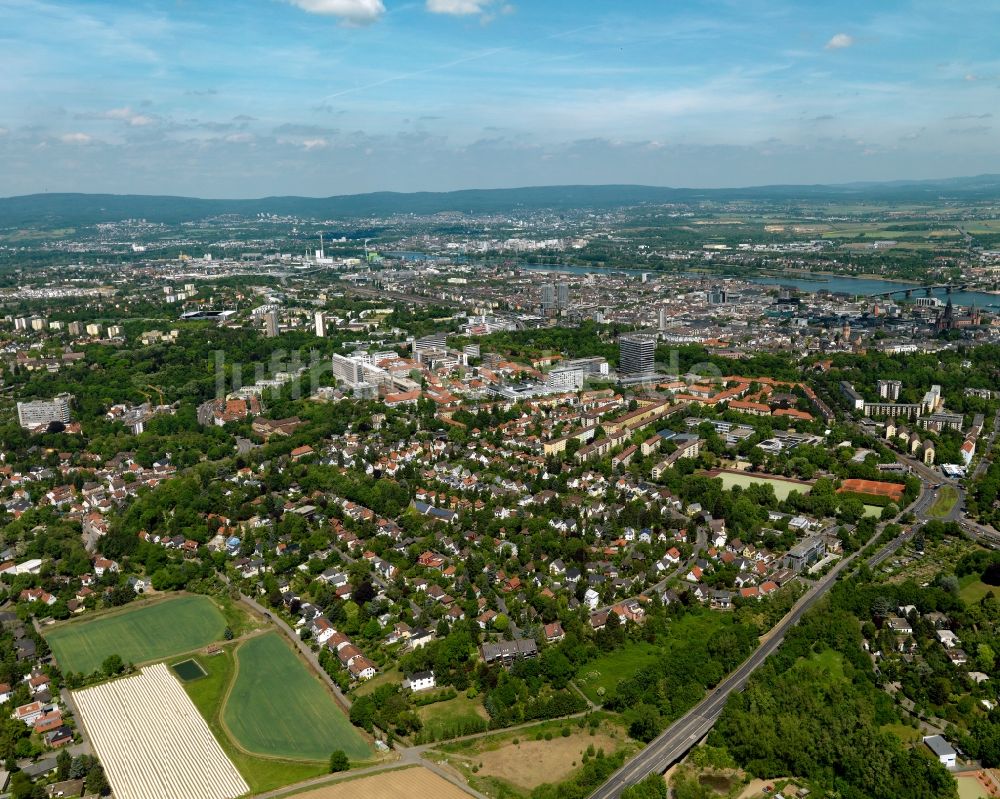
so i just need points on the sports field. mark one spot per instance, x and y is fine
(138, 634)
(277, 707)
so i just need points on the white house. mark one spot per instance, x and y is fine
(591, 599)
(420, 681)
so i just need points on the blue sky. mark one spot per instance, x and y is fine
(316, 97)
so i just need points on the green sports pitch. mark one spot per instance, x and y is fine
(138, 634)
(277, 707)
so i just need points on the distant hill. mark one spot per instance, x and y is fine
(84, 209)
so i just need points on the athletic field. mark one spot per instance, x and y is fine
(277, 707)
(137, 634)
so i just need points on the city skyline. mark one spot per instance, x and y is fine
(323, 97)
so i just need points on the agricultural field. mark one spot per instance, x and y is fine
(277, 707)
(209, 695)
(153, 742)
(138, 633)
(413, 783)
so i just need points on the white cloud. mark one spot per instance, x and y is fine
(351, 12)
(126, 115)
(458, 8)
(839, 41)
(75, 138)
(314, 144)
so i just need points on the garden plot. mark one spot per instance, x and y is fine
(153, 742)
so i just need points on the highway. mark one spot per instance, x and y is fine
(681, 736)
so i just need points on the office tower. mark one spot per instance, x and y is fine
(663, 319)
(548, 296)
(320, 324)
(717, 296)
(636, 353)
(271, 324)
(562, 296)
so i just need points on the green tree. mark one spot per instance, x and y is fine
(64, 761)
(339, 761)
(653, 787)
(96, 782)
(112, 665)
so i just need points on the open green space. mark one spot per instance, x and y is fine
(599, 678)
(277, 707)
(393, 675)
(782, 488)
(209, 694)
(606, 671)
(904, 732)
(829, 662)
(442, 719)
(972, 589)
(946, 499)
(138, 633)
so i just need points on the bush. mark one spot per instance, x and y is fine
(339, 761)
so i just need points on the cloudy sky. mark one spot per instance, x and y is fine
(244, 98)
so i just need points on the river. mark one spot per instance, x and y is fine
(860, 286)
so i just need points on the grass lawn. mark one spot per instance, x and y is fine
(946, 499)
(442, 718)
(138, 633)
(208, 694)
(972, 589)
(829, 661)
(904, 732)
(606, 671)
(393, 675)
(278, 707)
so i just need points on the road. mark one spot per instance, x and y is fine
(987, 450)
(678, 739)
